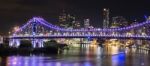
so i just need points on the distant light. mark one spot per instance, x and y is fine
(16, 28)
(145, 16)
(105, 9)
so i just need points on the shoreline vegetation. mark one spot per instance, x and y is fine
(50, 47)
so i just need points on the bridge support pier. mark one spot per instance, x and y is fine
(37, 43)
(14, 42)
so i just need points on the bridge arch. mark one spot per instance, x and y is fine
(47, 30)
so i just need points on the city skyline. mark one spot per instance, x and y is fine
(17, 12)
(74, 33)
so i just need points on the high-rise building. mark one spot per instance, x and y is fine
(1, 39)
(148, 18)
(76, 24)
(105, 18)
(86, 23)
(66, 20)
(119, 21)
(148, 27)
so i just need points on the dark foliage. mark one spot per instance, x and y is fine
(25, 44)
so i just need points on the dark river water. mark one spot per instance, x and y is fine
(83, 56)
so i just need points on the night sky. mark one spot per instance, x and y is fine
(17, 12)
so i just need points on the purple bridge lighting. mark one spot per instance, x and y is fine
(37, 29)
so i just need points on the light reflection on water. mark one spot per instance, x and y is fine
(89, 56)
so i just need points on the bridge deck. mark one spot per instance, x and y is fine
(108, 37)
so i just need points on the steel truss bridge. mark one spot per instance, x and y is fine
(37, 29)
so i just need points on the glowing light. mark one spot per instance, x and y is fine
(16, 28)
(105, 9)
(95, 32)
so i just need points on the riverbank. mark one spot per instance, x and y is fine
(53, 49)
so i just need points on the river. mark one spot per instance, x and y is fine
(84, 55)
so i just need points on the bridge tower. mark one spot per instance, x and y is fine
(34, 29)
(14, 42)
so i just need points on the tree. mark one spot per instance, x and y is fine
(25, 44)
(51, 43)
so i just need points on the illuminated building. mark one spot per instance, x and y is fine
(1, 39)
(86, 23)
(105, 18)
(148, 27)
(148, 18)
(119, 21)
(76, 24)
(66, 20)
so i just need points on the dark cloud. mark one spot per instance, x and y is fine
(33, 2)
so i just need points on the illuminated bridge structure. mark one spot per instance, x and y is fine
(37, 29)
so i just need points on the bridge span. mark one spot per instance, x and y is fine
(38, 29)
